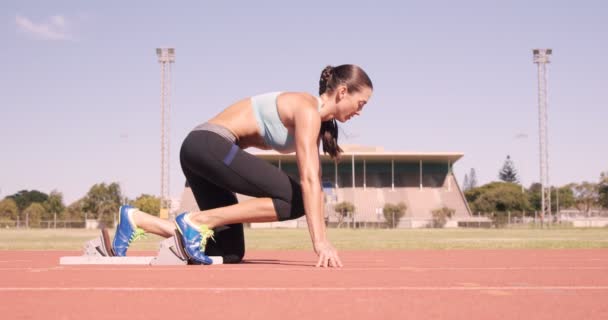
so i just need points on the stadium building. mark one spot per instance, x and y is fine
(369, 178)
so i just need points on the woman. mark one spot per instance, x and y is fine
(216, 167)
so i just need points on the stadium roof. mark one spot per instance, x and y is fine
(371, 153)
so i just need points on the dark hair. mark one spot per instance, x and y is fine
(355, 79)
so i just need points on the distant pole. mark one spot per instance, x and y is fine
(541, 58)
(166, 56)
(557, 202)
(354, 190)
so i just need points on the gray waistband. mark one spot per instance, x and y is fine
(221, 130)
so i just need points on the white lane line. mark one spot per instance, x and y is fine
(312, 289)
(255, 269)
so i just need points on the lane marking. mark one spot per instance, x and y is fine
(312, 289)
(311, 268)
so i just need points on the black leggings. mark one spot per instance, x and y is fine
(216, 169)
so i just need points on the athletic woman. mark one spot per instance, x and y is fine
(216, 167)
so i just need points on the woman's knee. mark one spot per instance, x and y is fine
(288, 210)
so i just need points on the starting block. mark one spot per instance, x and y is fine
(98, 251)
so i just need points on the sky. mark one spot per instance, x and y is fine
(80, 82)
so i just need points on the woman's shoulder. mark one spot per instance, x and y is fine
(297, 106)
(300, 99)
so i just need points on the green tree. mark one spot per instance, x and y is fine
(508, 172)
(465, 182)
(585, 196)
(54, 205)
(603, 190)
(102, 202)
(33, 214)
(8, 210)
(107, 214)
(472, 179)
(393, 213)
(74, 211)
(566, 198)
(344, 210)
(441, 216)
(147, 203)
(497, 198)
(24, 198)
(534, 196)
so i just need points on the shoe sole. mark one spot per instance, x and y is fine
(107, 242)
(181, 245)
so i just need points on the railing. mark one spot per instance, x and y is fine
(42, 224)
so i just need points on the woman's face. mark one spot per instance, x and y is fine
(351, 104)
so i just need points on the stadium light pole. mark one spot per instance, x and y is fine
(166, 56)
(541, 59)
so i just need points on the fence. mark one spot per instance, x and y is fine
(506, 219)
(43, 224)
(534, 219)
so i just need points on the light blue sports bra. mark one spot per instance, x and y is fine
(273, 131)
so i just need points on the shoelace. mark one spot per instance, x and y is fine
(206, 233)
(138, 234)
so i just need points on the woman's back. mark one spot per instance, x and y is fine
(243, 119)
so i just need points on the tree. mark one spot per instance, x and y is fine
(497, 198)
(603, 190)
(393, 213)
(103, 201)
(54, 204)
(534, 196)
(107, 214)
(24, 198)
(465, 183)
(566, 197)
(33, 214)
(343, 209)
(472, 179)
(8, 210)
(585, 196)
(148, 203)
(74, 211)
(508, 172)
(441, 216)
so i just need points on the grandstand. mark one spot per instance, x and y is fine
(370, 177)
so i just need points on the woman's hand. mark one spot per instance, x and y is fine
(328, 256)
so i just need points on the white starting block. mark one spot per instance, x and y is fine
(98, 251)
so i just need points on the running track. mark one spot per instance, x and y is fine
(416, 284)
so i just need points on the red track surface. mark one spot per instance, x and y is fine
(454, 284)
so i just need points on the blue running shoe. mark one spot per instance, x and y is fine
(193, 239)
(126, 232)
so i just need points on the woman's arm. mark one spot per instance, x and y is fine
(307, 126)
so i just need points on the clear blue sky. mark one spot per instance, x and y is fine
(80, 81)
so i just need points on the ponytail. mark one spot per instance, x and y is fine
(329, 128)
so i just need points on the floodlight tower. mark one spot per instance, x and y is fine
(166, 56)
(541, 58)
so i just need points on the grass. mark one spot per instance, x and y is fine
(343, 239)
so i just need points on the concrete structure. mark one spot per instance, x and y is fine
(370, 177)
